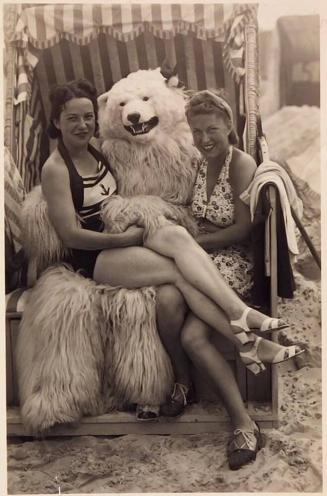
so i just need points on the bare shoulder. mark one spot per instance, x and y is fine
(242, 169)
(242, 161)
(54, 167)
(54, 176)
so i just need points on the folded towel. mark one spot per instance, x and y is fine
(271, 172)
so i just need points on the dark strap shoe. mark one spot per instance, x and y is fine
(178, 400)
(147, 413)
(244, 446)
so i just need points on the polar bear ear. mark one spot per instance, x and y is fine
(166, 69)
(173, 82)
(102, 99)
(171, 76)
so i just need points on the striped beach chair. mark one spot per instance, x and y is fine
(211, 45)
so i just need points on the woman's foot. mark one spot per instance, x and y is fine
(253, 320)
(244, 446)
(261, 350)
(180, 397)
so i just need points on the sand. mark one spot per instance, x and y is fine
(291, 461)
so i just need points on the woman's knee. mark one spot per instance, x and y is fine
(195, 334)
(171, 306)
(178, 235)
(172, 236)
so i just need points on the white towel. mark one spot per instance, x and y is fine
(270, 171)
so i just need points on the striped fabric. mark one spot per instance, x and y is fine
(106, 60)
(14, 195)
(95, 189)
(32, 144)
(234, 45)
(45, 25)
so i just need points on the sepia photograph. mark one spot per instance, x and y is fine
(162, 217)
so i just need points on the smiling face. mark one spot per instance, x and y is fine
(210, 133)
(77, 122)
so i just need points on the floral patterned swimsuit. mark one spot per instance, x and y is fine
(234, 262)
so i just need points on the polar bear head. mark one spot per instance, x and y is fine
(142, 107)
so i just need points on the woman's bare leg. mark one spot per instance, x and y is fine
(198, 269)
(196, 342)
(171, 310)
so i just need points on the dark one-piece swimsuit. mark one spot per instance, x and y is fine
(88, 193)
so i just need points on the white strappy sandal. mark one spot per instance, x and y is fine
(242, 332)
(253, 363)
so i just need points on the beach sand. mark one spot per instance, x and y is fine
(291, 461)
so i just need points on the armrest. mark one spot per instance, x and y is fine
(271, 245)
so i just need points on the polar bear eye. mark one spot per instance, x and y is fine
(122, 104)
(145, 98)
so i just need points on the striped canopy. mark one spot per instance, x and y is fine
(43, 26)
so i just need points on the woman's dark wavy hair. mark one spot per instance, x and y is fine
(62, 93)
(222, 93)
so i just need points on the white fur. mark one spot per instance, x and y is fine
(60, 351)
(128, 96)
(150, 212)
(41, 242)
(138, 369)
(162, 162)
(84, 349)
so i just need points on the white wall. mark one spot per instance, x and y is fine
(270, 10)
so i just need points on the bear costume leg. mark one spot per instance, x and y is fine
(136, 363)
(60, 351)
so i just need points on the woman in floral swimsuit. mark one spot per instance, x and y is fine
(224, 225)
(234, 262)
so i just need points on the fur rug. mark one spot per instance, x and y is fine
(60, 351)
(35, 226)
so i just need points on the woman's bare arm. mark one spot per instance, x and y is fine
(242, 170)
(56, 190)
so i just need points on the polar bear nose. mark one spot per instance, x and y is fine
(134, 117)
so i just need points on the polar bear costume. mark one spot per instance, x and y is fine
(149, 145)
(85, 348)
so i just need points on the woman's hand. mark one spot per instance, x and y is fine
(134, 236)
(206, 230)
(205, 226)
